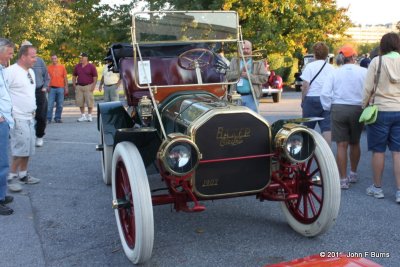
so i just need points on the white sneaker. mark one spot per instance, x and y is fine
(13, 186)
(83, 118)
(353, 178)
(89, 118)
(39, 142)
(375, 192)
(28, 179)
(344, 183)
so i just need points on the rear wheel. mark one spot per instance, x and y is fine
(106, 156)
(277, 97)
(134, 215)
(317, 184)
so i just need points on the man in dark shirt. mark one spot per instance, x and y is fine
(84, 79)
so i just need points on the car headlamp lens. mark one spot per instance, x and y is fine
(296, 142)
(299, 146)
(180, 156)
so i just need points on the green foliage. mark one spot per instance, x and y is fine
(284, 66)
(366, 48)
(284, 28)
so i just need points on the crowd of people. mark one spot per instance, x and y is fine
(29, 92)
(340, 97)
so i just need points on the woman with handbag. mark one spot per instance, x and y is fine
(313, 78)
(384, 91)
(342, 95)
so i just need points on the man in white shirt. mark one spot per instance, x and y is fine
(21, 80)
(111, 82)
(342, 95)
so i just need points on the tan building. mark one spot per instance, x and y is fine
(370, 33)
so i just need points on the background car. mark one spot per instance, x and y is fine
(273, 87)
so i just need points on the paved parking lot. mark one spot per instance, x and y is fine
(67, 220)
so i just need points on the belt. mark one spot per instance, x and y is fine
(110, 84)
(83, 84)
(245, 93)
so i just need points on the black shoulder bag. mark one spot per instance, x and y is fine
(316, 75)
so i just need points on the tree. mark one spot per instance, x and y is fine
(280, 26)
(39, 21)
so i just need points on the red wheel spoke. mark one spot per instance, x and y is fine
(312, 206)
(317, 197)
(126, 215)
(298, 202)
(305, 208)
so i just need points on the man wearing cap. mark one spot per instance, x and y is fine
(342, 95)
(42, 83)
(111, 82)
(58, 88)
(84, 80)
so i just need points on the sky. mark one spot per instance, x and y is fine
(360, 11)
(371, 11)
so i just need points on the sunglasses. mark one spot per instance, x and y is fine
(30, 78)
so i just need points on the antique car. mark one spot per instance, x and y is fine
(273, 87)
(177, 117)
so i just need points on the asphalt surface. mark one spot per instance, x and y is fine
(67, 220)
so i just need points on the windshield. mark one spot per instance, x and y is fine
(175, 26)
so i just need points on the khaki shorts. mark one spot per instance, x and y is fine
(84, 95)
(22, 138)
(345, 125)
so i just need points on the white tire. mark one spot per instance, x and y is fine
(130, 183)
(106, 156)
(319, 212)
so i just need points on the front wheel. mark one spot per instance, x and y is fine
(317, 185)
(134, 215)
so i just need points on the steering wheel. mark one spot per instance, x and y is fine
(195, 58)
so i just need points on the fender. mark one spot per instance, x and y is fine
(114, 117)
(118, 126)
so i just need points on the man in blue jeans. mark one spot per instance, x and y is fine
(57, 89)
(6, 122)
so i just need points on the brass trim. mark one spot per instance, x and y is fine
(133, 27)
(284, 133)
(170, 141)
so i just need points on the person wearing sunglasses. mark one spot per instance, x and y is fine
(21, 81)
(42, 83)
